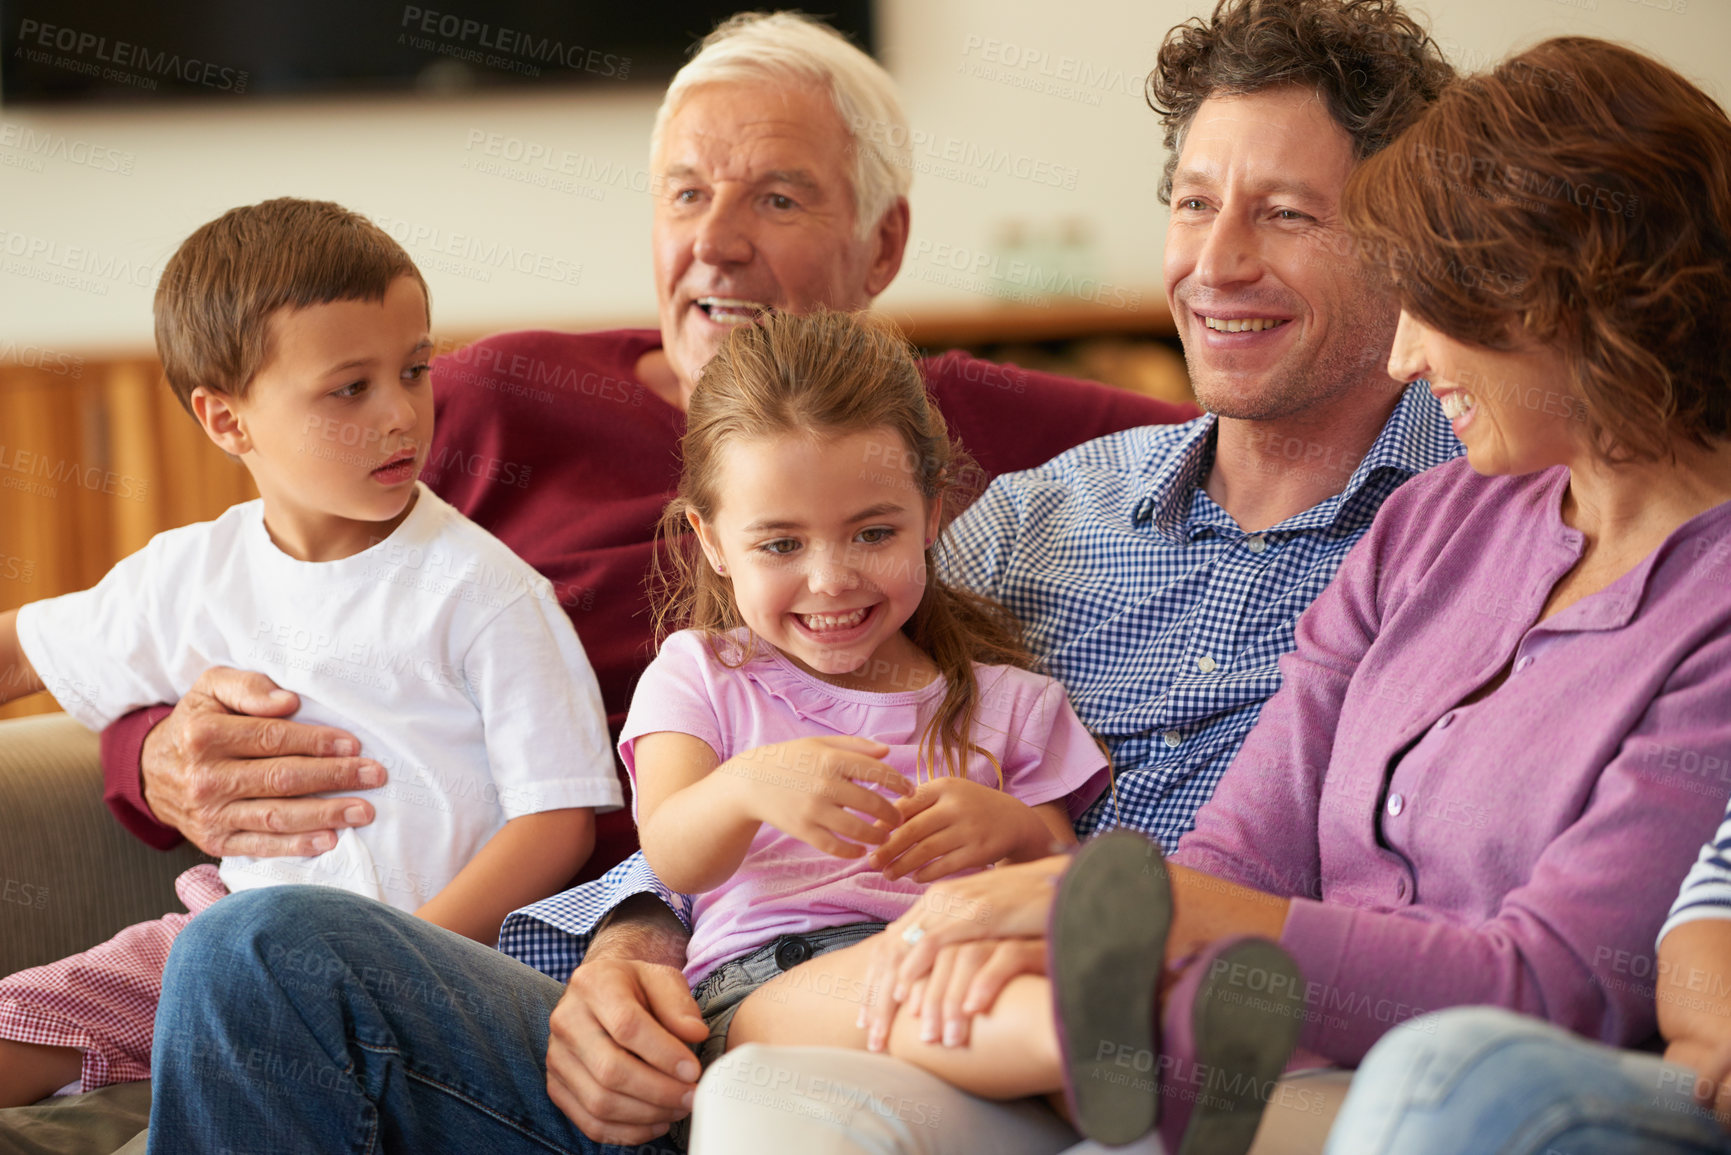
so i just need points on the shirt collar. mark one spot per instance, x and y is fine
(1166, 498)
(1416, 437)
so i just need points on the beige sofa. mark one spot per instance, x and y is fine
(70, 877)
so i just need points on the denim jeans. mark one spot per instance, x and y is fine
(306, 1019)
(1478, 1080)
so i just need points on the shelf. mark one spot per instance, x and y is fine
(1065, 321)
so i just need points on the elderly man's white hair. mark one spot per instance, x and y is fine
(789, 46)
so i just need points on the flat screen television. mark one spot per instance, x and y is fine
(150, 50)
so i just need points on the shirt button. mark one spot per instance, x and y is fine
(1443, 722)
(1144, 510)
(1205, 664)
(1256, 543)
(1523, 663)
(1172, 737)
(1395, 805)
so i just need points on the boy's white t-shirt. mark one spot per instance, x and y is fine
(442, 651)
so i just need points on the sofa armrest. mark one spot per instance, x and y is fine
(70, 877)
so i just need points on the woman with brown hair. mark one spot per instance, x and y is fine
(1467, 790)
(1610, 199)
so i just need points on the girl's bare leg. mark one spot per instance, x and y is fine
(1012, 1052)
(29, 1072)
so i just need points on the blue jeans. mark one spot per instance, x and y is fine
(300, 1018)
(1479, 1080)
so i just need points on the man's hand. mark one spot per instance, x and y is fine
(619, 1061)
(228, 771)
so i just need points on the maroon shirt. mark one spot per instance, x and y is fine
(550, 441)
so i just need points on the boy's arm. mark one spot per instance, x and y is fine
(1693, 996)
(531, 857)
(17, 675)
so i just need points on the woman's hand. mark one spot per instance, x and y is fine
(951, 824)
(814, 789)
(1010, 902)
(967, 979)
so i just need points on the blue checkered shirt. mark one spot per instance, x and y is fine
(1163, 619)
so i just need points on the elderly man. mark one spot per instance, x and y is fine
(565, 446)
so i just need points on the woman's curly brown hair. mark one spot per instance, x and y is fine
(1578, 196)
(1372, 63)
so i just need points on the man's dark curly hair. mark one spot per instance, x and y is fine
(1373, 64)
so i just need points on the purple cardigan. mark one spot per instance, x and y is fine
(1525, 849)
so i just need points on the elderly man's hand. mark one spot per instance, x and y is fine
(228, 770)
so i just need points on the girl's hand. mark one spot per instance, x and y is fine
(1010, 902)
(953, 824)
(967, 979)
(810, 788)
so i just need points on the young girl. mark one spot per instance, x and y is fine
(835, 727)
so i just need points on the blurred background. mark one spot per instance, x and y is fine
(505, 145)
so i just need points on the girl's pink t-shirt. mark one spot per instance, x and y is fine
(785, 886)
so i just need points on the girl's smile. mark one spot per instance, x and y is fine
(824, 540)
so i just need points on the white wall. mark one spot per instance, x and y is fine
(1028, 112)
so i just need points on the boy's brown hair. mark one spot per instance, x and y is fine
(221, 287)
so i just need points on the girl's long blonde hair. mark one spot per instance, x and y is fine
(830, 374)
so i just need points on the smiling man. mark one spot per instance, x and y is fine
(762, 205)
(1160, 571)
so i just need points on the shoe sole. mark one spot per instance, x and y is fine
(1109, 923)
(1247, 1015)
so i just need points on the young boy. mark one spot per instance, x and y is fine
(296, 333)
